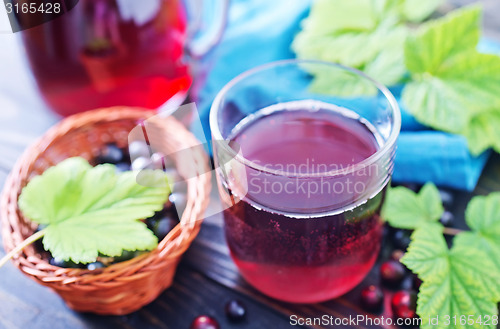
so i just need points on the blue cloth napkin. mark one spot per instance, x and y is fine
(261, 31)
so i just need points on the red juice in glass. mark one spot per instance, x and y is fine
(111, 52)
(317, 254)
(302, 178)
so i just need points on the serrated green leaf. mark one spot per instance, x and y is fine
(456, 282)
(91, 210)
(441, 39)
(367, 36)
(418, 10)
(482, 132)
(434, 103)
(339, 82)
(406, 209)
(426, 254)
(327, 17)
(483, 214)
(483, 217)
(462, 89)
(454, 87)
(388, 66)
(476, 77)
(477, 262)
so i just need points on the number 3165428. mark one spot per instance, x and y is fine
(33, 8)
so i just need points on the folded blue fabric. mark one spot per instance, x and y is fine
(261, 31)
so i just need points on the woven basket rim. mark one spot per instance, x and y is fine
(173, 245)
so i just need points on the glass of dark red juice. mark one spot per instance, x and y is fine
(304, 153)
(119, 52)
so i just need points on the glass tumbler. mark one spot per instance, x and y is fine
(304, 152)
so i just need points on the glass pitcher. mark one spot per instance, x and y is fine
(122, 52)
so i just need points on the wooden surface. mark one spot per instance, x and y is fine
(206, 278)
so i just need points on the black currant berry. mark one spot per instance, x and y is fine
(122, 166)
(397, 255)
(416, 282)
(372, 298)
(235, 310)
(95, 265)
(63, 263)
(204, 322)
(392, 273)
(401, 239)
(162, 226)
(126, 255)
(404, 304)
(447, 218)
(446, 198)
(110, 154)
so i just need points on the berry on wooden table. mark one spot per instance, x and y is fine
(235, 310)
(204, 322)
(447, 218)
(404, 304)
(372, 298)
(397, 255)
(446, 198)
(392, 273)
(401, 239)
(416, 282)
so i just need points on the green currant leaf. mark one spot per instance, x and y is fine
(483, 217)
(327, 17)
(366, 35)
(418, 10)
(406, 209)
(455, 282)
(91, 210)
(482, 132)
(441, 39)
(454, 88)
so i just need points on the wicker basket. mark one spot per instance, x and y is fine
(123, 287)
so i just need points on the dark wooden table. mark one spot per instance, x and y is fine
(206, 278)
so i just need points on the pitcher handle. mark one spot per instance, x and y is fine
(203, 36)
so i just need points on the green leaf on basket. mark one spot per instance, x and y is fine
(457, 282)
(406, 209)
(91, 210)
